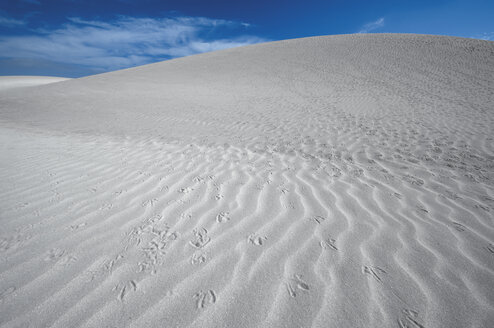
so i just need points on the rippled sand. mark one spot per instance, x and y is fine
(342, 181)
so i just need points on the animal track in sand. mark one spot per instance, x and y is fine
(334, 172)
(328, 244)
(199, 258)
(125, 289)
(201, 238)
(156, 236)
(146, 174)
(150, 202)
(487, 198)
(218, 197)
(458, 227)
(298, 283)
(490, 248)
(106, 267)
(223, 217)
(291, 205)
(185, 216)
(217, 186)
(357, 172)
(203, 298)
(198, 179)
(77, 226)
(185, 190)
(481, 207)
(284, 191)
(13, 242)
(106, 206)
(317, 219)
(397, 195)
(409, 319)
(421, 208)
(256, 240)
(413, 180)
(374, 272)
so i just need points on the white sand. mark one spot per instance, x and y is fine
(13, 82)
(343, 181)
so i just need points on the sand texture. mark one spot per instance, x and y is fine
(342, 181)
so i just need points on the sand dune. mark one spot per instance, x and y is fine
(342, 181)
(13, 82)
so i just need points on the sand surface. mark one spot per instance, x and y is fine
(343, 181)
(13, 82)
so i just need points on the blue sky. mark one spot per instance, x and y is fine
(82, 37)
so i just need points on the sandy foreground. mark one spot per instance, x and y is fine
(342, 181)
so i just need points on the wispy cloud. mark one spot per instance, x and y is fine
(489, 36)
(372, 26)
(10, 22)
(126, 41)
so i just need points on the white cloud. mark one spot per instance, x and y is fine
(372, 26)
(10, 22)
(126, 41)
(488, 36)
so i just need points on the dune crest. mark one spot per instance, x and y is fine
(341, 181)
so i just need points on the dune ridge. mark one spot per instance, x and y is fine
(342, 181)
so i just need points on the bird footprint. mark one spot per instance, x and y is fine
(328, 244)
(294, 283)
(203, 298)
(409, 319)
(373, 271)
(256, 240)
(222, 217)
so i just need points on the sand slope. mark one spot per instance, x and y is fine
(13, 82)
(342, 181)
